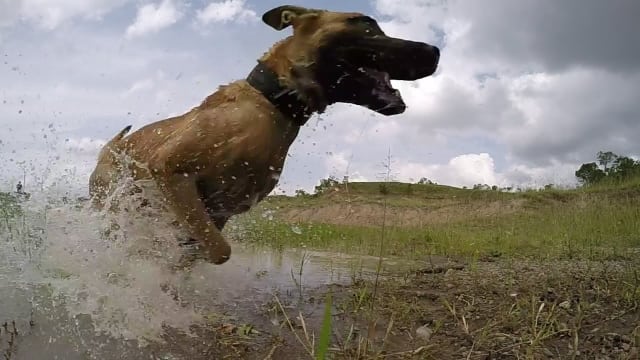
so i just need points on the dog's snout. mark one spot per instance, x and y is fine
(436, 51)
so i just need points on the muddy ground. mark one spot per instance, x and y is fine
(450, 310)
(489, 309)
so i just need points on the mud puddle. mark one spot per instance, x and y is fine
(78, 296)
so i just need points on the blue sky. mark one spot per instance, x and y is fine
(526, 91)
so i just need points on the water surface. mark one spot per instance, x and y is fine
(75, 293)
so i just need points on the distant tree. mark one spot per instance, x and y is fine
(606, 159)
(424, 180)
(384, 189)
(481, 187)
(590, 173)
(611, 166)
(548, 187)
(624, 167)
(326, 184)
(494, 188)
(301, 193)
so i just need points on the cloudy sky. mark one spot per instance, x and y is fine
(526, 90)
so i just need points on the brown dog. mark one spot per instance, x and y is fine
(225, 155)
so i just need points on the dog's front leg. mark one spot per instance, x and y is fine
(182, 196)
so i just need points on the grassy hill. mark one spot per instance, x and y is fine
(421, 219)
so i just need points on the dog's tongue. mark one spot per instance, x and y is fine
(385, 91)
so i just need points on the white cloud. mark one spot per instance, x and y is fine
(8, 12)
(339, 165)
(153, 84)
(226, 11)
(466, 169)
(84, 145)
(470, 169)
(138, 86)
(50, 14)
(559, 174)
(152, 18)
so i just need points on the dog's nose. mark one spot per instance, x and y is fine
(436, 51)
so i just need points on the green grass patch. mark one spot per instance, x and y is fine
(9, 206)
(554, 225)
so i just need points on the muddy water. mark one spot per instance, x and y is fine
(76, 294)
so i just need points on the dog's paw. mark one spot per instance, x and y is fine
(218, 254)
(194, 250)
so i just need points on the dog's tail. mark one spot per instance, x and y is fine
(121, 134)
(113, 144)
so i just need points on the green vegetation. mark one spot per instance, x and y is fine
(9, 206)
(610, 168)
(549, 272)
(593, 222)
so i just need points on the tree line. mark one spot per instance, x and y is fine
(608, 167)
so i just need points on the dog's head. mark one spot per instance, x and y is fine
(345, 57)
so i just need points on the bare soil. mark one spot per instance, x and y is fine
(491, 309)
(494, 310)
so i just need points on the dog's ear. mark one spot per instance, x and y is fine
(283, 16)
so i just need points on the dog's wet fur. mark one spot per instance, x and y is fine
(225, 155)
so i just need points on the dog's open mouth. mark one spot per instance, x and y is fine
(389, 99)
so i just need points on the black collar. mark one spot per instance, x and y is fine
(286, 100)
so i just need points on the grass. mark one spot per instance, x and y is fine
(593, 225)
(569, 243)
(325, 330)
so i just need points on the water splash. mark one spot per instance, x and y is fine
(91, 277)
(120, 270)
(120, 279)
